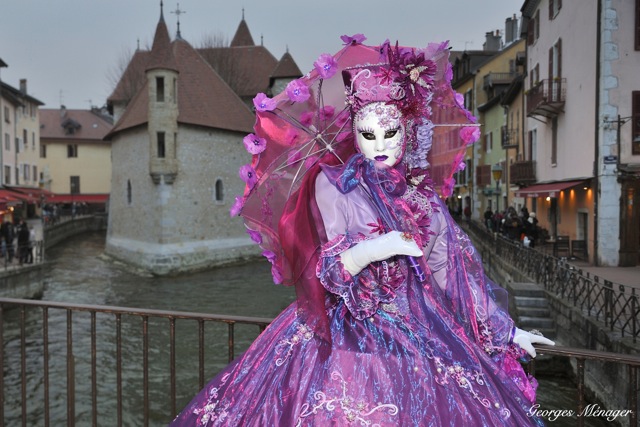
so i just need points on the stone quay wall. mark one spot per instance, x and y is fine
(605, 382)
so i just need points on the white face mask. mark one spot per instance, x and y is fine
(379, 133)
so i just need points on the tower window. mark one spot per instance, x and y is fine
(219, 191)
(160, 89)
(129, 191)
(161, 145)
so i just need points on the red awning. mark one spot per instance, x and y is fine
(34, 192)
(546, 190)
(9, 197)
(78, 198)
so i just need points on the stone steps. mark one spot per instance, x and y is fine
(532, 309)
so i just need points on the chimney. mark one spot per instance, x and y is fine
(63, 111)
(511, 30)
(23, 86)
(493, 42)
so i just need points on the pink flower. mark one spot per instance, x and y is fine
(291, 136)
(310, 161)
(270, 256)
(254, 144)
(470, 134)
(293, 157)
(276, 274)
(237, 206)
(263, 103)
(447, 187)
(248, 175)
(306, 118)
(459, 99)
(354, 39)
(327, 112)
(255, 236)
(459, 163)
(297, 91)
(326, 66)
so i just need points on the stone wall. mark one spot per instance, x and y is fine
(605, 382)
(25, 282)
(183, 226)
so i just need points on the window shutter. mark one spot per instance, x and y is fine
(637, 34)
(537, 24)
(550, 10)
(550, 65)
(530, 25)
(635, 126)
(559, 5)
(559, 45)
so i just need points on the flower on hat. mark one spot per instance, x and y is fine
(297, 91)
(254, 144)
(326, 66)
(263, 103)
(354, 39)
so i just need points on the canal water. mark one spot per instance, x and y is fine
(79, 274)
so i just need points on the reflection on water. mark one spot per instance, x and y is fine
(80, 275)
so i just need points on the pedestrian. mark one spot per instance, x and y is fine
(23, 241)
(488, 219)
(32, 244)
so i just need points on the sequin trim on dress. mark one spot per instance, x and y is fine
(467, 380)
(285, 347)
(350, 410)
(211, 411)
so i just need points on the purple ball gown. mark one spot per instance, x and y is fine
(398, 352)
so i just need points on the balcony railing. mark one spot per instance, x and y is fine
(522, 172)
(616, 305)
(547, 98)
(96, 357)
(493, 79)
(118, 365)
(509, 137)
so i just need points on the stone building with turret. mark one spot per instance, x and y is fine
(181, 114)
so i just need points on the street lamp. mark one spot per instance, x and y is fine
(496, 171)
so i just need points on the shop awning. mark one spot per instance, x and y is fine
(35, 193)
(9, 197)
(78, 198)
(546, 190)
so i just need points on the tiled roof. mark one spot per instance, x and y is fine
(204, 98)
(161, 56)
(286, 67)
(242, 36)
(15, 96)
(91, 127)
(247, 69)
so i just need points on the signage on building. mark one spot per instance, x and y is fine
(609, 160)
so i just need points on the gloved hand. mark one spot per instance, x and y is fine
(364, 253)
(525, 340)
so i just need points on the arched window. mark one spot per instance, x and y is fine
(129, 192)
(219, 191)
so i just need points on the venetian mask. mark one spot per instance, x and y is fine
(379, 133)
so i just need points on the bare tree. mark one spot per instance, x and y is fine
(126, 76)
(227, 61)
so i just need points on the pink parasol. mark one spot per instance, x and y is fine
(310, 122)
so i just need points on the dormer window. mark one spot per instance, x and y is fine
(70, 126)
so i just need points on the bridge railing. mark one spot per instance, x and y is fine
(614, 304)
(102, 365)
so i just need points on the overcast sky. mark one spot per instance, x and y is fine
(69, 50)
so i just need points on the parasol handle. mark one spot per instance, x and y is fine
(417, 270)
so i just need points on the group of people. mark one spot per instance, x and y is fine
(522, 227)
(17, 242)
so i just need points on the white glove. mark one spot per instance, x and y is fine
(525, 340)
(364, 253)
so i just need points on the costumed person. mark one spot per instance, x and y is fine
(395, 322)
